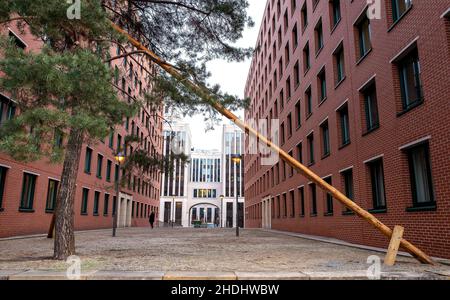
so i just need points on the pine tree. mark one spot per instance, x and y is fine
(66, 89)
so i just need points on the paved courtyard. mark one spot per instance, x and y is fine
(177, 249)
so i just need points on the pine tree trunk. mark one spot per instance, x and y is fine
(64, 221)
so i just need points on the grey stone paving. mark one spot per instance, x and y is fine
(142, 253)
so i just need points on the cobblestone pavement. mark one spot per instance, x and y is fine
(177, 249)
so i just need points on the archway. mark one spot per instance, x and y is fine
(205, 214)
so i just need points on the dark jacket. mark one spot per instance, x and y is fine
(152, 217)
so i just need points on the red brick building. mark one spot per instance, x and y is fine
(362, 96)
(28, 190)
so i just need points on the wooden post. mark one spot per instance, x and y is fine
(394, 245)
(206, 95)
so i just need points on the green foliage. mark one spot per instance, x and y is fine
(57, 92)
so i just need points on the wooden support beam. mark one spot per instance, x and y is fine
(205, 94)
(394, 245)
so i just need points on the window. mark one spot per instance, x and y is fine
(399, 7)
(287, 54)
(322, 84)
(300, 152)
(371, 108)
(325, 139)
(288, 88)
(313, 192)
(347, 177)
(329, 199)
(116, 173)
(7, 109)
(96, 200)
(344, 125)
(285, 207)
(304, 16)
(292, 197)
(296, 75)
(308, 98)
(301, 195)
(298, 114)
(410, 83)
(294, 37)
(377, 181)
(306, 58)
(106, 205)
(335, 12)
(108, 170)
(17, 41)
(420, 173)
(114, 210)
(289, 124)
(364, 36)
(319, 36)
(111, 139)
(28, 189)
(119, 143)
(3, 172)
(339, 63)
(87, 161)
(311, 149)
(99, 165)
(52, 192)
(282, 137)
(84, 201)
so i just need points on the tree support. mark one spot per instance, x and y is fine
(204, 93)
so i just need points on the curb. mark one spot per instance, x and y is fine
(222, 276)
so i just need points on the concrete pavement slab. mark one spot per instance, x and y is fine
(184, 275)
(271, 276)
(125, 275)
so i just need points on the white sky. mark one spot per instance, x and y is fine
(231, 77)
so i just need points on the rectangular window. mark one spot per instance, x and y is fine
(106, 205)
(96, 202)
(308, 101)
(52, 192)
(282, 134)
(364, 36)
(410, 83)
(339, 63)
(322, 84)
(300, 152)
(28, 189)
(420, 173)
(298, 114)
(335, 12)
(285, 207)
(88, 161)
(292, 197)
(304, 16)
(325, 139)
(296, 75)
(344, 125)
(371, 108)
(311, 159)
(84, 201)
(287, 54)
(294, 37)
(111, 139)
(329, 199)
(319, 36)
(114, 209)
(108, 170)
(312, 189)
(289, 125)
(301, 195)
(377, 182)
(399, 7)
(347, 177)
(288, 88)
(99, 165)
(306, 58)
(3, 172)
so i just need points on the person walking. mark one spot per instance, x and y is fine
(152, 219)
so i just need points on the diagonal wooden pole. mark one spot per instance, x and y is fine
(204, 93)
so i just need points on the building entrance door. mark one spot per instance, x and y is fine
(178, 213)
(167, 212)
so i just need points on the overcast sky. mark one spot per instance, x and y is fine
(231, 77)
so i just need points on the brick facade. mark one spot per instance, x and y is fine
(14, 221)
(424, 27)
